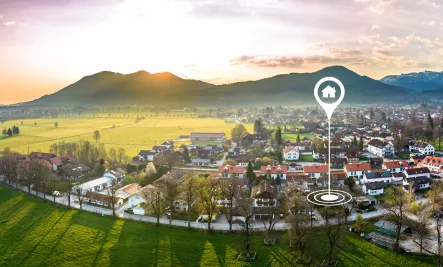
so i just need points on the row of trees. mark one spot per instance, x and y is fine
(10, 132)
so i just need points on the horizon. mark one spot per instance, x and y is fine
(47, 45)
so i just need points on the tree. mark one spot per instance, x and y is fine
(53, 184)
(66, 187)
(35, 123)
(354, 142)
(258, 126)
(298, 138)
(96, 136)
(38, 171)
(395, 203)
(278, 137)
(4, 131)
(230, 162)
(332, 229)
(112, 195)
(208, 192)
(113, 154)
(9, 132)
(238, 132)
(155, 200)
(56, 124)
(371, 115)
(245, 210)
(250, 174)
(360, 223)
(79, 193)
(231, 192)
(297, 233)
(121, 154)
(421, 227)
(168, 159)
(188, 187)
(383, 116)
(186, 156)
(171, 193)
(430, 121)
(360, 144)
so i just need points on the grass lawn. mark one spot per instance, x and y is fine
(126, 133)
(293, 137)
(34, 233)
(403, 155)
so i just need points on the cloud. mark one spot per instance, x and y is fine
(9, 23)
(268, 62)
(428, 42)
(344, 52)
(377, 6)
(375, 27)
(382, 53)
(431, 23)
(329, 60)
(429, 3)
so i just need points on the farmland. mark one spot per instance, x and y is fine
(115, 131)
(34, 233)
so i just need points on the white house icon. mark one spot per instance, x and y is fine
(328, 92)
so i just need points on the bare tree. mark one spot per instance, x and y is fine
(188, 189)
(298, 232)
(112, 195)
(332, 230)
(79, 191)
(245, 210)
(230, 191)
(421, 227)
(66, 186)
(53, 184)
(351, 205)
(208, 194)
(396, 203)
(269, 222)
(155, 200)
(171, 193)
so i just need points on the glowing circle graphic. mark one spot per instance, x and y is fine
(329, 197)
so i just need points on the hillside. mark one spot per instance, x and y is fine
(416, 81)
(143, 88)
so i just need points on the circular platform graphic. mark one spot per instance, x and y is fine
(329, 198)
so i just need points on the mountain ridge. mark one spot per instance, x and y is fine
(416, 82)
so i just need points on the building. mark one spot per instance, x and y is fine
(231, 172)
(380, 148)
(264, 197)
(291, 153)
(127, 191)
(353, 156)
(102, 199)
(375, 188)
(244, 159)
(395, 166)
(416, 172)
(146, 155)
(201, 162)
(434, 164)
(58, 162)
(357, 170)
(417, 183)
(316, 171)
(274, 171)
(197, 137)
(377, 176)
(95, 185)
(423, 148)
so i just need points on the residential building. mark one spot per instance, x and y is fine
(264, 197)
(291, 153)
(374, 189)
(244, 159)
(316, 171)
(146, 155)
(434, 164)
(423, 148)
(197, 137)
(417, 183)
(274, 171)
(395, 166)
(357, 170)
(353, 156)
(377, 176)
(380, 148)
(231, 172)
(102, 199)
(416, 172)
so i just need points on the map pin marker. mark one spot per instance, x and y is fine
(329, 92)
(329, 107)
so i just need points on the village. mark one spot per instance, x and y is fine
(376, 153)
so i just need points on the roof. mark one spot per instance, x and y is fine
(246, 158)
(378, 174)
(358, 167)
(316, 169)
(231, 169)
(352, 154)
(207, 134)
(338, 175)
(434, 161)
(146, 153)
(41, 155)
(95, 182)
(289, 149)
(388, 226)
(172, 177)
(419, 180)
(418, 157)
(376, 185)
(377, 143)
(264, 187)
(57, 161)
(130, 189)
(101, 197)
(160, 148)
(415, 171)
(418, 144)
(396, 164)
(273, 169)
(201, 160)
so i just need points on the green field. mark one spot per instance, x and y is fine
(34, 233)
(293, 137)
(126, 133)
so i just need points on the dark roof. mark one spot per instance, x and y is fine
(374, 175)
(377, 143)
(417, 171)
(41, 155)
(101, 197)
(264, 187)
(146, 153)
(172, 177)
(419, 180)
(376, 185)
(418, 157)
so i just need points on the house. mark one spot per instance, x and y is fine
(397, 178)
(146, 155)
(230, 172)
(41, 155)
(244, 159)
(434, 164)
(417, 158)
(337, 162)
(274, 171)
(197, 137)
(102, 199)
(395, 166)
(377, 176)
(357, 170)
(388, 228)
(118, 174)
(423, 148)
(159, 149)
(168, 144)
(58, 162)
(255, 138)
(127, 191)
(290, 153)
(264, 197)
(95, 185)
(380, 148)
(375, 188)
(328, 92)
(417, 183)
(338, 177)
(415, 172)
(316, 171)
(74, 171)
(172, 177)
(353, 156)
(201, 162)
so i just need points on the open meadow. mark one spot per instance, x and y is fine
(115, 131)
(34, 233)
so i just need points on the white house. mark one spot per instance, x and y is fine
(291, 153)
(146, 155)
(380, 148)
(316, 171)
(434, 164)
(231, 172)
(377, 176)
(127, 191)
(395, 166)
(274, 171)
(328, 92)
(417, 183)
(357, 170)
(374, 189)
(423, 148)
(416, 172)
(94, 185)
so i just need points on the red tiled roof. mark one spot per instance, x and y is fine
(273, 169)
(434, 161)
(231, 169)
(315, 169)
(396, 164)
(358, 167)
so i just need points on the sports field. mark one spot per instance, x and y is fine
(34, 233)
(115, 132)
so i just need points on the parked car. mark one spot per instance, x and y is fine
(56, 193)
(129, 211)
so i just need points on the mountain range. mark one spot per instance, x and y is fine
(416, 82)
(144, 88)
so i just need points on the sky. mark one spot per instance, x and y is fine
(46, 45)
